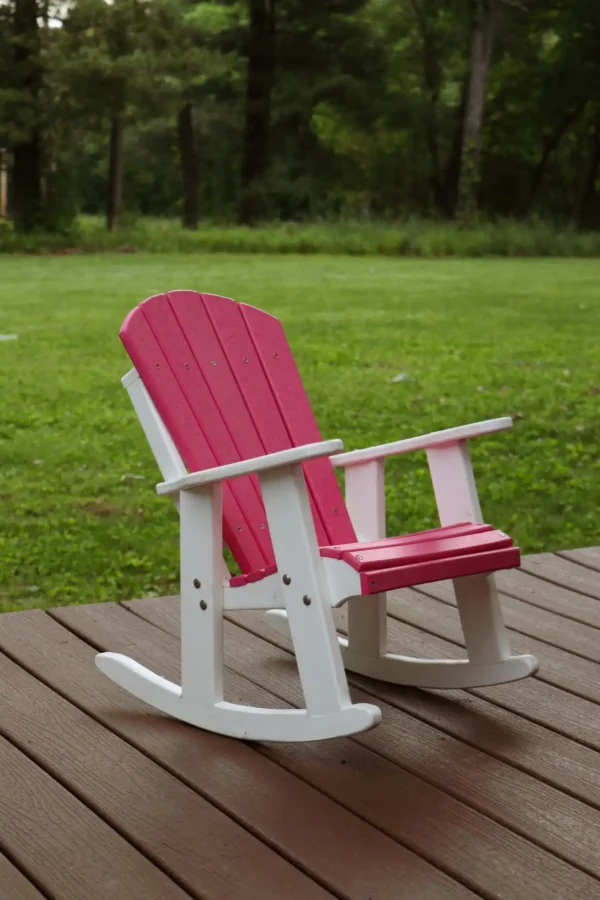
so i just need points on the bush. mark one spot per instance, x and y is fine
(410, 238)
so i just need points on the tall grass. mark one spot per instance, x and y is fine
(416, 238)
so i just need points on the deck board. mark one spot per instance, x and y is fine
(493, 793)
(14, 884)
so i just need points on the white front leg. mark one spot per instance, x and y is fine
(201, 595)
(365, 500)
(305, 591)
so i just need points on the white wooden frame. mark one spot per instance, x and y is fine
(299, 597)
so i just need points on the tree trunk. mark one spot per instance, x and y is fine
(3, 187)
(116, 159)
(188, 160)
(588, 192)
(550, 145)
(445, 189)
(27, 151)
(259, 85)
(480, 56)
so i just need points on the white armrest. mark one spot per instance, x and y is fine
(294, 456)
(423, 442)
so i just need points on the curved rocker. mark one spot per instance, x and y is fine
(245, 722)
(410, 671)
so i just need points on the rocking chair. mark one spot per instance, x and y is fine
(222, 405)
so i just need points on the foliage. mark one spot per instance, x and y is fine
(474, 339)
(365, 113)
(414, 237)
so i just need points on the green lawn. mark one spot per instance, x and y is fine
(80, 520)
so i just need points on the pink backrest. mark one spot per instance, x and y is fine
(223, 379)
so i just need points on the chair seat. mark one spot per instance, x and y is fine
(434, 555)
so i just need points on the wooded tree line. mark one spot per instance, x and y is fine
(244, 110)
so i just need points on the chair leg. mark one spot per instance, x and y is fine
(367, 625)
(201, 596)
(480, 614)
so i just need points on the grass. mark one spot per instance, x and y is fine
(475, 339)
(413, 238)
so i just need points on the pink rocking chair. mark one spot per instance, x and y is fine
(222, 405)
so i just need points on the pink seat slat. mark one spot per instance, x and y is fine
(254, 387)
(292, 402)
(382, 580)
(425, 551)
(154, 369)
(432, 534)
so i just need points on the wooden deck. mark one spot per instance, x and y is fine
(493, 793)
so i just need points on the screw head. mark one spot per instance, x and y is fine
(276, 356)
(213, 362)
(306, 600)
(203, 605)
(197, 583)
(245, 359)
(286, 579)
(158, 365)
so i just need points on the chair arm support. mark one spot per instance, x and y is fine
(423, 442)
(291, 457)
